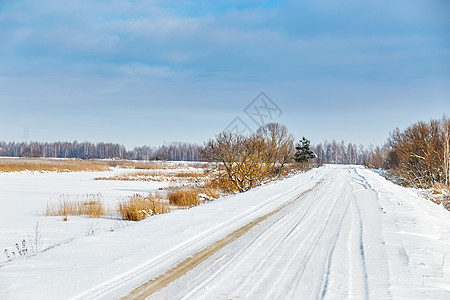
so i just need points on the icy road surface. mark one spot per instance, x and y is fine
(338, 232)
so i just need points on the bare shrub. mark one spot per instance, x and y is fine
(249, 161)
(139, 207)
(419, 154)
(34, 240)
(279, 147)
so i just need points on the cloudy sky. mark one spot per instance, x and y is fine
(150, 72)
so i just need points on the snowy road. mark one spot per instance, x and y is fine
(314, 247)
(326, 243)
(338, 232)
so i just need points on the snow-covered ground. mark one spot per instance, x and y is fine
(337, 232)
(24, 197)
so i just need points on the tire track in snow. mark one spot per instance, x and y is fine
(310, 246)
(182, 268)
(323, 252)
(243, 251)
(266, 266)
(285, 254)
(377, 276)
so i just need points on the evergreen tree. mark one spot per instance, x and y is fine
(303, 153)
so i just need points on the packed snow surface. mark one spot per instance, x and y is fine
(337, 232)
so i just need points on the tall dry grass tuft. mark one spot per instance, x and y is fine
(139, 207)
(184, 198)
(90, 205)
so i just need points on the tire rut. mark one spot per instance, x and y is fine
(190, 263)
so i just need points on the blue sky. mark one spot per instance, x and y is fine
(151, 72)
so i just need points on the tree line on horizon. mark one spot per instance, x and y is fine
(418, 156)
(87, 150)
(327, 152)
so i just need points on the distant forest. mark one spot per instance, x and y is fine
(328, 152)
(418, 156)
(341, 153)
(86, 150)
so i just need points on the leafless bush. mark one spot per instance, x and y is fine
(248, 161)
(419, 155)
(34, 240)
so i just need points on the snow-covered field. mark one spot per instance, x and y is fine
(336, 232)
(24, 197)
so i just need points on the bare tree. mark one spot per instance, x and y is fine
(279, 147)
(251, 160)
(417, 154)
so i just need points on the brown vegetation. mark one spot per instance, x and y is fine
(211, 192)
(192, 196)
(184, 198)
(135, 165)
(90, 205)
(72, 165)
(248, 161)
(154, 176)
(50, 165)
(139, 207)
(418, 156)
(187, 174)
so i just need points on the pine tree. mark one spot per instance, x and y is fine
(303, 153)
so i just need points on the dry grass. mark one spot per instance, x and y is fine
(139, 207)
(439, 194)
(185, 197)
(187, 174)
(90, 205)
(77, 165)
(446, 202)
(438, 188)
(440, 199)
(135, 165)
(155, 175)
(134, 176)
(211, 192)
(50, 165)
(71, 165)
(221, 182)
